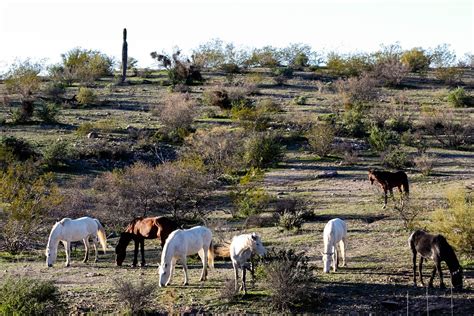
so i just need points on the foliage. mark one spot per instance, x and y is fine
(57, 153)
(348, 66)
(298, 56)
(320, 138)
(353, 120)
(456, 222)
(217, 97)
(357, 90)
(86, 96)
(178, 70)
(135, 297)
(289, 278)
(410, 211)
(176, 113)
(381, 138)
(248, 197)
(82, 65)
(443, 59)
(282, 74)
(300, 100)
(390, 71)
(266, 56)
(459, 98)
(395, 157)
(13, 149)
(416, 60)
(425, 163)
(27, 197)
(48, 112)
(262, 149)
(25, 296)
(217, 54)
(23, 79)
(251, 117)
(290, 213)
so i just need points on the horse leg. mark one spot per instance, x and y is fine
(94, 243)
(173, 265)
(236, 276)
(244, 285)
(185, 269)
(203, 255)
(342, 245)
(414, 268)
(438, 267)
(142, 250)
(135, 254)
(86, 246)
(385, 198)
(421, 271)
(67, 245)
(335, 259)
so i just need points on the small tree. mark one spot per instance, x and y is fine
(320, 138)
(179, 71)
(416, 60)
(23, 79)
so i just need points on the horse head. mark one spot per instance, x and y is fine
(258, 246)
(371, 176)
(121, 248)
(164, 273)
(456, 279)
(327, 259)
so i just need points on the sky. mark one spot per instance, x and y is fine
(43, 30)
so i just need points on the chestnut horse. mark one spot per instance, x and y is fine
(388, 181)
(140, 229)
(437, 248)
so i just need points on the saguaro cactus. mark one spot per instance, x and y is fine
(124, 55)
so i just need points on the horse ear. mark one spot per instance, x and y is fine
(254, 236)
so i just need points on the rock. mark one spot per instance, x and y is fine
(92, 135)
(327, 174)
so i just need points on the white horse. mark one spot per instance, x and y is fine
(241, 249)
(182, 243)
(68, 230)
(335, 232)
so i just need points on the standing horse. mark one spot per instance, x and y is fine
(389, 180)
(68, 230)
(242, 248)
(182, 243)
(140, 229)
(335, 232)
(437, 248)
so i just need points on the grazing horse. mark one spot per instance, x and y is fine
(140, 229)
(242, 248)
(182, 243)
(389, 180)
(68, 230)
(335, 232)
(437, 248)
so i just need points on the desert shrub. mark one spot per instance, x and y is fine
(381, 138)
(300, 100)
(320, 138)
(410, 211)
(416, 60)
(282, 74)
(13, 149)
(443, 59)
(458, 97)
(449, 75)
(227, 292)
(298, 56)
(55, 90)
(349, 154)
(425, 163)
(23, 79)
(290, 214)
(27, 196)
(218, 97)
(390, 71)
(264, 57)
(86, 96)
(83, 65)
(357, 90)
(220, 149)
(57, 153)
(176, 113)
(25, 296)
(353, 121)
(456, 221)
(135, 297)
(48, 112)
(262, 150)
(251, 117)
(449, 131)
(178, 69)
(248, 197)
(395, 157)
(289, 278)
(268, 106)
(348, 66)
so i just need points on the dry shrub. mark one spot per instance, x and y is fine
(220, 149)
(135, 297)
(410, 211)
(218, 97)
(456, 221)
(425, 163)
(289, 279)
(449, 131)
(356, 90)
(390, 71)
(227, 292)
(176, 112)
(320, 138)
(290, 213)
(262, 150)
(349, 154)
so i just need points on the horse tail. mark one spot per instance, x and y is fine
(222, 250)
(101, 235)
(210, 255)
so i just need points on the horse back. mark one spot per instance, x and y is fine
(143, 227)
(335, 230)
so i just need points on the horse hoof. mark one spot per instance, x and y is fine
(186, 283)
(142, 264)
(96, 260)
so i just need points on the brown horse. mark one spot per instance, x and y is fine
(437, 248)
(140, 229)
(389, 180)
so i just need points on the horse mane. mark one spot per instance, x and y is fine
(131, 225)
(165, 251)
(447, 251)
(249, 243)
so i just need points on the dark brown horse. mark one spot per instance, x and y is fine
(140, 229)
(388, 181)
(437, 248)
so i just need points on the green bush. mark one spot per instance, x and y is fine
(14, 149)
(395, 157)
(300, 100)
(348, 66)
(24, 296)
(353, 121)
(218, 98)
(458, 98)
(320, 138)
(456, 222)
(380, 138)
(282, 74)
(86, 96)
(251, 201)
(416, 60)
(262, 150)
(84, 66)
(57, 153)
(48, 112)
